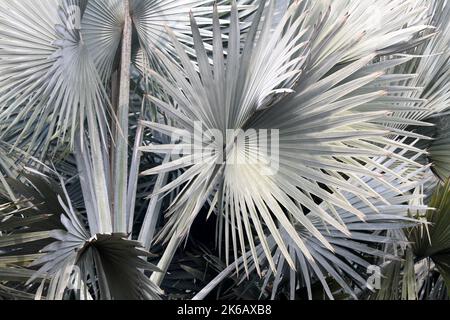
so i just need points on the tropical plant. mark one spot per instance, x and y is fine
(229, 149)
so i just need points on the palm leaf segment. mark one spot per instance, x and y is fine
(346, 270)
(40, 229)
(101, 267)
(49, 83)
(29, 211)
(353, 255)
(325, 97)
(430, 63)
(93, 257)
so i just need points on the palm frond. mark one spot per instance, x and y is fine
(49, 84)
(325, 118)
(25, 225)
(433, 241)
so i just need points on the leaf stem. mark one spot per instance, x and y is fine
(121, 150)
(166, 260)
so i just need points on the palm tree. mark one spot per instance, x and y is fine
(125, 123)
